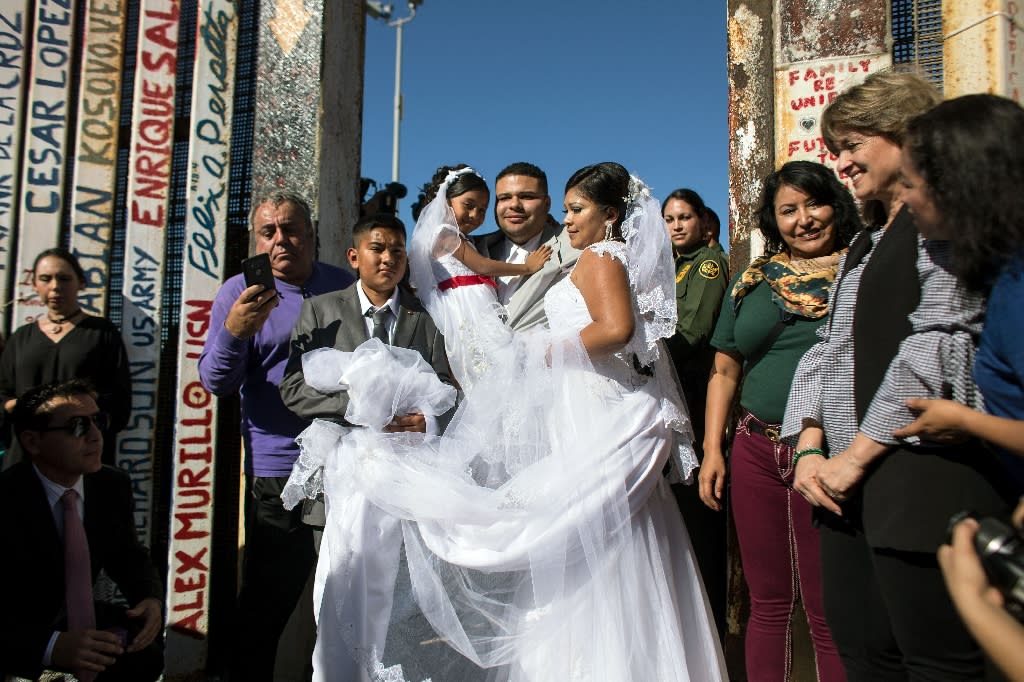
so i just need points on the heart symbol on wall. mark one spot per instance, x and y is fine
(807, 124)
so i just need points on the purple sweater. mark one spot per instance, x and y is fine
(253, 368)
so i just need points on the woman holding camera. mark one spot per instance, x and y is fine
(954, 155)
(959, 173)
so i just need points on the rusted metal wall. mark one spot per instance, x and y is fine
(984, 47)
(341, 112)
(816, 29)
(751, 139)
(824, 47)
(751, 127)
(780, 79)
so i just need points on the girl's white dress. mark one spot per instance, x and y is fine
(537, 539)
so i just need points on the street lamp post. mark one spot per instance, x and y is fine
(379, 10)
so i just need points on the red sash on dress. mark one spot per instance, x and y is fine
(465, 281)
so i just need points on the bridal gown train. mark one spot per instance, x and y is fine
(537, 539)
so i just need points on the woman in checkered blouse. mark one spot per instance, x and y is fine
(900, 327)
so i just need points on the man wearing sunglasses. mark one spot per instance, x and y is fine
(63, 518)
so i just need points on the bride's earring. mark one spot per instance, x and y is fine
(607, 230)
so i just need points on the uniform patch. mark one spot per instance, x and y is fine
(682, 273)
(709, 269)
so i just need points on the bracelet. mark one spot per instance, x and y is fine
(807, 451)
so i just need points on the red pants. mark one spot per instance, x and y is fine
(780, 552)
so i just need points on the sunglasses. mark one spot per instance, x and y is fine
(79, 426)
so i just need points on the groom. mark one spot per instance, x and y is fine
(521, 209)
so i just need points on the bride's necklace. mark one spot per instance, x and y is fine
(58, 324)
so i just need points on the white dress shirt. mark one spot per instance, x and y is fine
(367, 309)
(54, 492)
(516, 254)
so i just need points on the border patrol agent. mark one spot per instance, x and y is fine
(702, 275)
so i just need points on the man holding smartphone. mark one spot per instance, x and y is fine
(245, 353)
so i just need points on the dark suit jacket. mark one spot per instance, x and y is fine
(334, 320)
(32, 567)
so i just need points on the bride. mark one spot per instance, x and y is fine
(537, 539)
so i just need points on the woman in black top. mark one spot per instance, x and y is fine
(65, 343)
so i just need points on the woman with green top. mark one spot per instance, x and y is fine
(770, 317)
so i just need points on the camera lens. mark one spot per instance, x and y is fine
(1001, 550)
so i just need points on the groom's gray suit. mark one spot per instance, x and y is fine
(334, 320)
(526, 307)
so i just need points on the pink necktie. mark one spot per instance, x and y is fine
(77, 572)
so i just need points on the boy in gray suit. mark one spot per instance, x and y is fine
(374, 306)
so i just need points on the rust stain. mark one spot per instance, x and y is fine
(750, 125)
(814, 29)
(980, 54)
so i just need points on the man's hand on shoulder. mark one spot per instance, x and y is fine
(250, 310)
(149, 611)
(85, 650)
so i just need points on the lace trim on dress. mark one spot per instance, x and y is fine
(616, 249)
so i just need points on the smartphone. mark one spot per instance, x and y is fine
(257, 271)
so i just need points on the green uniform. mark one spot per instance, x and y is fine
(701, 279)
(702, 276)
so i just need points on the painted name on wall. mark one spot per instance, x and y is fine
(155, 126)
(192, 518)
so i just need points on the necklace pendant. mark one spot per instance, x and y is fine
(58, 324)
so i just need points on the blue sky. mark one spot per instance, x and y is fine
(559, 83)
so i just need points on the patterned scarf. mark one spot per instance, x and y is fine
(799, 287)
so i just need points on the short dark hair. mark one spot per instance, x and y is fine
(527, 169)
(605, 183)
(822, 185)
(963, 148)
(387, 221)
(277, 197)
(64, 255)
(30, 411)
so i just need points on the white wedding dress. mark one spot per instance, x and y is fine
(537, 539)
